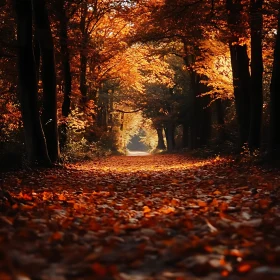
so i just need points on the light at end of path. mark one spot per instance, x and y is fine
(137, 154)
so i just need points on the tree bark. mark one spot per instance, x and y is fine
(220, 120)
(193, 133)
(49, 114)
(274, 143)
(241, 84)
(169, 135)
(185, 137)
(35, 143)
(256, 23)
(206, 122)
(240, 69)
(200, 114)
(66, 70)
(83, 54)
(160, 145)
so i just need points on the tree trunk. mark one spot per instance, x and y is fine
(220, 120)
(49, 114)
(274, 145)
(193, 133)
(83, 54)
(240, 69)
(160, 145)
(256, 74)
(185, 137)
(169, 135)
(37, 56)
(241, 84)
(35, 143)
(66, 71)
(200, 114)
(205, 122)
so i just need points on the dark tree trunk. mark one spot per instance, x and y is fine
(160, 145)
(220, 120)
(170, 136)
(66, 71)
(185, 137)
(37, 56)
(35, 143)
(256, 74)
(193, 133)
(200, 114)
(241, 84)
(49, 114)
(83, 54)
(240, 69)
(274, 145)
(103, 109)
(206, 118)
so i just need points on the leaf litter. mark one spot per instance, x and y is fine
(154, 217)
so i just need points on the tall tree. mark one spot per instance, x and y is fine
(49, 114)
(83, 50)
(35, 143)
(274, 147)
(256, 26)
(240, 69)
(65, 65)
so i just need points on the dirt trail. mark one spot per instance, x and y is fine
(152, 217)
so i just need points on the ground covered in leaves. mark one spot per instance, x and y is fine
(154, 217)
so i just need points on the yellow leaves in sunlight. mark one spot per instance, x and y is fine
(146, 209)
(25, 196)
(47, 196)
(166, 210)
(216, 192)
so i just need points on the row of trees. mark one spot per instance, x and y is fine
(246, 30)
(98, 70)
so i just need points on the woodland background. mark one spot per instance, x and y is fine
(80, 78)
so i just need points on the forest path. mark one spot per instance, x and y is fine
(143, 218)
(137, 153)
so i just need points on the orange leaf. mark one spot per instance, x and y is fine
(25, 196)
(99, 269)
(215, 202)
(217, 192)
(222, 262)
(208, 249)
(224, 273)
(57, 235)
(244, 268)
(146, 209)
(264, 203)
(166, 210)
(61, 197)
(201, 203)
(223, 206)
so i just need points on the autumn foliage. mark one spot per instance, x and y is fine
(189, 73)
(138, 218)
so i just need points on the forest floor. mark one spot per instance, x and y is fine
(141, 218)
